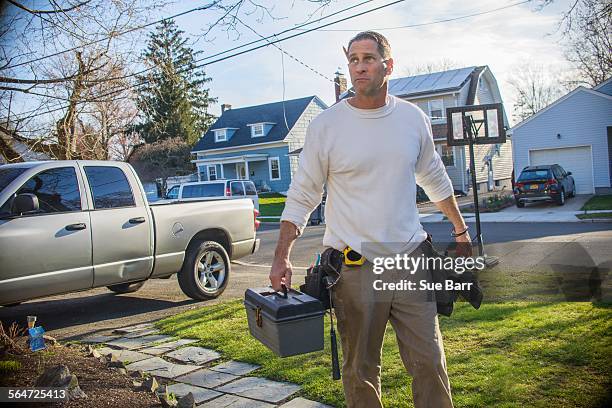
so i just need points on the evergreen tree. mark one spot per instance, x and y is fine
(173, 101)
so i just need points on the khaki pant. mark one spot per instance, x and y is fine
(362, 315)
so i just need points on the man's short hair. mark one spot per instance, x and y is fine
(384, 49)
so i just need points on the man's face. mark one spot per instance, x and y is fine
(367, 68)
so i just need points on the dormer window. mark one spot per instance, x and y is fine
(220, 135)
(260, 129)
(257, 130)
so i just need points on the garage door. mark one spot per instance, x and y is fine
(575, 159)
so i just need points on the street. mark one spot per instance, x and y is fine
(74, 315)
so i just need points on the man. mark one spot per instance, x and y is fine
(371, 150)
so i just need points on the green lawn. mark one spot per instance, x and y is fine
(513, 354)
(594, 215)
(271, 204)
(598, 202)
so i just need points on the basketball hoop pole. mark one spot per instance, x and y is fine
(469, 124)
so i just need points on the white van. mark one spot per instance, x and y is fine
(211, 190)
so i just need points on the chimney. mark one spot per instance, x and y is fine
(339, 84)
(225, 107)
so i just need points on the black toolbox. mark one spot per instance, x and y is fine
(287, 324)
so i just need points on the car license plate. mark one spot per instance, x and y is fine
(533, 187)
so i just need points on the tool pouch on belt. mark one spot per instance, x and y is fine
(445, 299)
(321, 277)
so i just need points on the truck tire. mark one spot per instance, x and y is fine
(126, 287)
(205, 272)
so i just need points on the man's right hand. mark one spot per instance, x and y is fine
(281, 272)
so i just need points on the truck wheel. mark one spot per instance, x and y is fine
(205, 272)
(126, 287)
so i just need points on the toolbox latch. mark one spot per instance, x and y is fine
(258, 318)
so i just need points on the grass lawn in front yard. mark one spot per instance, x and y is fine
(590, 216)
(512, 354)
(598, 202)
(271, 204)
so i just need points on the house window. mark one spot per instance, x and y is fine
(274, 164)
(257, 130)
(212, 173)
(220, 135)
(436, 109)
(447, 154)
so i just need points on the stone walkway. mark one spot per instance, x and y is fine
(187, 368)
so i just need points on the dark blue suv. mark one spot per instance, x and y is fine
(544, 183)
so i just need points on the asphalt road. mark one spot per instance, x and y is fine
(77, 314)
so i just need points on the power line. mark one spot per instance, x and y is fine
(446, 20)
(210, 56)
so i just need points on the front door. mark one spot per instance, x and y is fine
(48, 252)
(240, 171)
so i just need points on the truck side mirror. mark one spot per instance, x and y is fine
(569, 173)
(24, 204)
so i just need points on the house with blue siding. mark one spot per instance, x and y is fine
(575, 132)
(433, 93)
(253, 143)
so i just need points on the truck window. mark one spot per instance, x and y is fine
(203, 190)
(7, 175)
(250, 188)
(109, 187)
(57, 191)
(237, 188)
(172, 194)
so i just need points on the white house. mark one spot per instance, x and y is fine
(575, 132)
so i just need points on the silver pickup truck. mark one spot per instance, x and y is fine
(75, 225)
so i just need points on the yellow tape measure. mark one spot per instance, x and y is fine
(353, 258)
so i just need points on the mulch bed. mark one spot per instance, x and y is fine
(105, 387)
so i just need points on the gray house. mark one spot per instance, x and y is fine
(576, 132)
(435, 92)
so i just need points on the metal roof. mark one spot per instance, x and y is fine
(429, 83)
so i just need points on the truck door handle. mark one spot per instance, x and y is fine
(76, 227)
(137, 220)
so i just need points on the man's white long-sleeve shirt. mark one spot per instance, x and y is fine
(371, 161)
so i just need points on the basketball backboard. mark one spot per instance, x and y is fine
(483, 123)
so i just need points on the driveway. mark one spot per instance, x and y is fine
(571, 204)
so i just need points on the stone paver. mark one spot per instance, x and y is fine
(145, 332)
(234, 401)
(194, 355)
(97, 339)
(161, 368)
(166, 347)
(260, 388)
(207, 378)
(134, 328)
(124, 355)
(138, 342)
(235, 368)
(199, 394)
(303, 403)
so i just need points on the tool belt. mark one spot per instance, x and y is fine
(445, 299)
(320, 278)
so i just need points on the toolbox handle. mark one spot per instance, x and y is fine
(283, 291)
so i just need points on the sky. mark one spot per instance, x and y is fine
(504, 40)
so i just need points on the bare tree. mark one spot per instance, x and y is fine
(430, 67)
(586, 28)
(536, 87)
